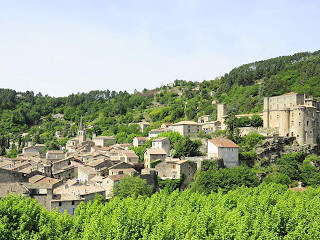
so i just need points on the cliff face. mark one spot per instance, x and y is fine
(272, 148)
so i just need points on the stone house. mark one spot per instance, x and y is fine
(166, 125)
(107, 183)
(100, 163)
(130, 157)
(161, 143)
(143, 125)
(42, 192)
(175, 168)
(187, 128)
(14, 188)
(72, 144)
(156, 132)
(139, 141)
(65, 173)
(7, 175)
(67, 198)
(63, 198)
(210, 127)
(152, 155)
(85, 173)
(204, 119)
(121, 168)
(44, 179)
(60, 164)
(104, 141)
(225, 149)
(54, 155)
(38, 148)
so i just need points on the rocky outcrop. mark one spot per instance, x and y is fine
(274, 147)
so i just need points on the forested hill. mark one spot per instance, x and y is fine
(244, 87)
(108, 113)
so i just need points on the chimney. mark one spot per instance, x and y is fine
(300, 185)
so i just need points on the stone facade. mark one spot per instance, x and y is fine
(174, 168)
(152, 155)
(210, 127)
(12, 176)
(187, 128)
(161, 143)
(204, 119)
(104, 141)
(143, 125)
(155, 132)
(221, 113)
(138, 141)
(294, 115)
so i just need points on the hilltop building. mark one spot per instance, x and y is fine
(293, 115)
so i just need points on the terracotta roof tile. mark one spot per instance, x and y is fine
(223, 142)
(156, 151)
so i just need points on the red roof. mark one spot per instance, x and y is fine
(141, 138)
(223, 142)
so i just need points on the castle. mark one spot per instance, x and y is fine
(294, 115)
(290, 115)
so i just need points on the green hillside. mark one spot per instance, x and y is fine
(109, 113)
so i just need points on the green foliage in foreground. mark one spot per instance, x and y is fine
(265, 212)
(224, 179)
(130, 186)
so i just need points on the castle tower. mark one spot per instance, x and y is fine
(81, 132)
(266, 113)
(221, 112)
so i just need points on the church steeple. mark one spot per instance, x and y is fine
(80, 125)
(81, 132)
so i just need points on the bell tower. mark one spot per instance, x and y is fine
(81, 132)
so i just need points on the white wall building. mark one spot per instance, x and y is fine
(222, 148)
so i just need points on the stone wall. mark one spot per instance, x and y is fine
(12, 176)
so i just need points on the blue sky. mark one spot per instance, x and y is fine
(59, 47)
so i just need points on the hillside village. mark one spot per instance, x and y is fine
(61, 179)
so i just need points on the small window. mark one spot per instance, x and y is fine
(60, 204)
(72, 203)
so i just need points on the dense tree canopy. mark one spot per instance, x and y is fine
(265, 212)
